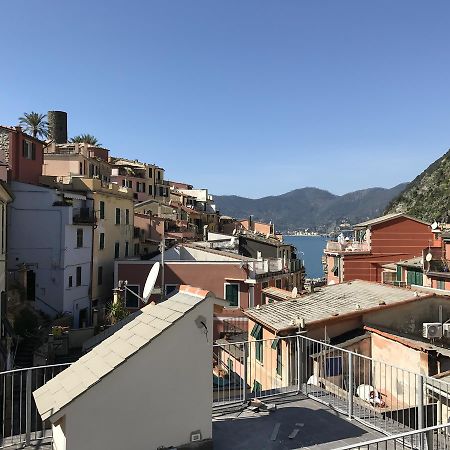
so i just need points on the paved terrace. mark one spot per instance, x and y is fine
(319, 427)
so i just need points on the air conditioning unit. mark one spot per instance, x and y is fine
(432, 330)
(446, 330)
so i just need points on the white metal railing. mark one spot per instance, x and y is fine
(384, 397)
(435, 437)
(21, 422)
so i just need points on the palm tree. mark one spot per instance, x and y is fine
(87, 139)
(35, 124)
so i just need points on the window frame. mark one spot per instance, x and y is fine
(78, 276)
(238, 292)
(80, 237)
(127, 216)
(101, 241)
(132, 296)
(102, 209)
(117, 217)
(116, 250)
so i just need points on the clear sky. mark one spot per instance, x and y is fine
(247, 97)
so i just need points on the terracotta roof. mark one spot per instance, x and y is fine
(279, 293)
(145, 327)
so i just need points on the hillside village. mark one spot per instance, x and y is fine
(230, 311)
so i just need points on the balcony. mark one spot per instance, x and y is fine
(265, 266)
(318, 389)
(83, 216)
(350, 246)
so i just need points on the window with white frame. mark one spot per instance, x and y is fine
(131, 301)
(231, 294)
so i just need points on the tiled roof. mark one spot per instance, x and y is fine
(113, 351)
(330, 302)
(386, 218)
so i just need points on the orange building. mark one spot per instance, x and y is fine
(383, 240)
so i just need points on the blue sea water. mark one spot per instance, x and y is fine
(312, 248)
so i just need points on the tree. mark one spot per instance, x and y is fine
(87, 139)
(35, 124)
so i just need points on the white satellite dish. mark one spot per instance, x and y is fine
(294, 292)
(150, 282)
(434, 225)
(429, 257)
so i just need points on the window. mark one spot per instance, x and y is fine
(170, 288)
(150, 174)
(131, 301)
(440, 284)
(117, 216)
(150, 189)
(257, 333)
(81, 168)
(130, 184)
(100, 275)
(101, 244)
(230, 365)
(335, 269)
(79, 276)
(116, 250)
(29, 150)
(265, 284)
(399, 273)
(232, 294)
(333, 366)
(127, 217)
(126, 248)
(136, 249)
(278, 284)
(79, 237)
(161, 191)
(70, 281)
(279, 349)
(102, 209)
(123, 182)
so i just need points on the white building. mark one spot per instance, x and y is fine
(147, 386)
(50, 248)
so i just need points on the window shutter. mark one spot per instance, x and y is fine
(33, 151)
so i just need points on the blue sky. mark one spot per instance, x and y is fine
(247, 97)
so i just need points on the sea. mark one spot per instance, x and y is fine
(310, 249)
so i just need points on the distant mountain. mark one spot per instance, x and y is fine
(427, 197)
(310, 207)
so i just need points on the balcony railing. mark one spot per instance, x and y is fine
(429, 438)
(21, 422)
(83, 216)
(351, 246)
(382, 396)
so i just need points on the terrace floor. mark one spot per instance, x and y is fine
(319, 427)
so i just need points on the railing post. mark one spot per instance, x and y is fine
(350, 386)
(420, 416)
(299, 365)
(28, 408)
(244, 378)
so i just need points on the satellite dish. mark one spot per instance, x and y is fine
(434, 225)
(150, 282)
(294, 292)
(429, 257)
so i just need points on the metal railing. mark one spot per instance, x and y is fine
(384, 397)
(83, 216)
(21, 422)
(435, 437)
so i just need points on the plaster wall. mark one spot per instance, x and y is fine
(155, 398)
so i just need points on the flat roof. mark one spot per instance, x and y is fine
(387, 218)
(330, 302)
(145, 327)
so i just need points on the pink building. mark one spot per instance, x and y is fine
(23, 155)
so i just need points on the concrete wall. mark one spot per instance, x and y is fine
(43, 238)
(155, 398)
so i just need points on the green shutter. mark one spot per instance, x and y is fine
(232, 294)
(399, 273)
(275, 343)
(256, 330)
